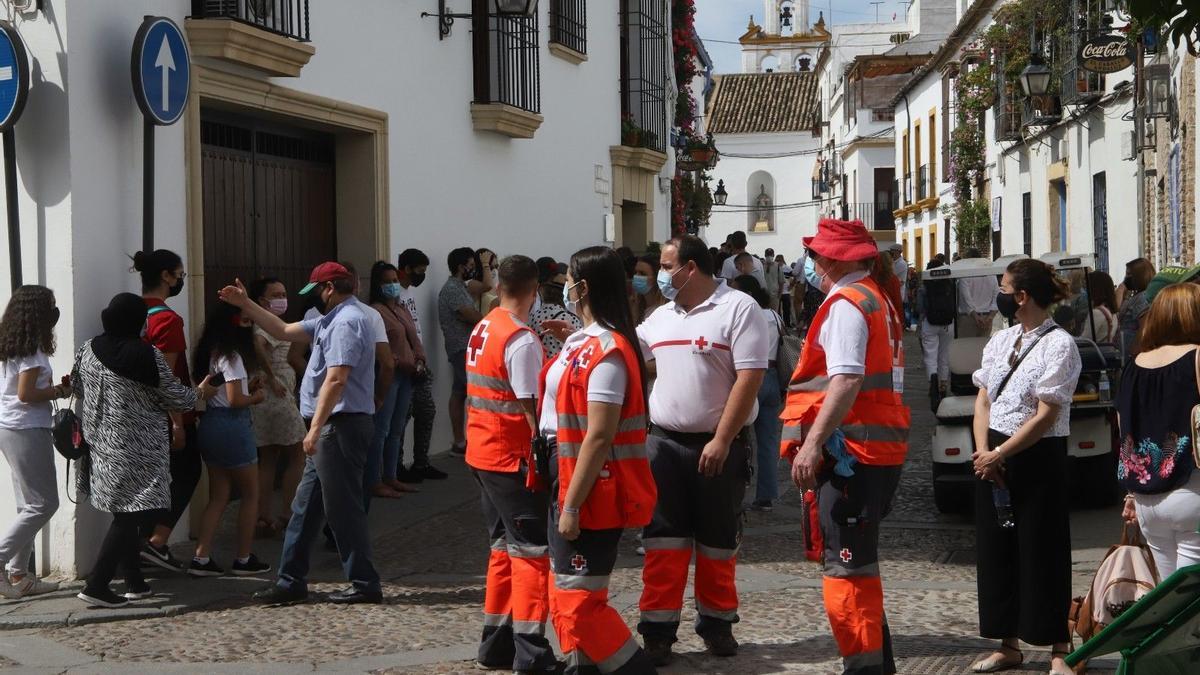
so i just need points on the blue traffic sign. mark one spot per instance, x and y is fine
(14, 75)
(162, 70)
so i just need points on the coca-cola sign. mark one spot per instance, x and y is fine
(1105, 54)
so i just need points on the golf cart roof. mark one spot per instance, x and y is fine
(1062, 260)
(967, 268)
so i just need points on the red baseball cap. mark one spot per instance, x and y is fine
(324, 273)
(842, 240)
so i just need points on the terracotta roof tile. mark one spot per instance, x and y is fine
(764, 103)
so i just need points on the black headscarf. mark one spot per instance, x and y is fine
(120, 347)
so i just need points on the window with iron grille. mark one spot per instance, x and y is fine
(507, 69)
(644, 68)
(288, 18)
(1079, 86)
(1027, 223)
(568, 24)
(1008, 107)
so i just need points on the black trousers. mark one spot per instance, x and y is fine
(186, 467)
(120, 550)
(1024, 572)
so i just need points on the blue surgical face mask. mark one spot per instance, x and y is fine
(391, 290)
(810, 273)
(571, 305)
(664, 284)
(641, 284)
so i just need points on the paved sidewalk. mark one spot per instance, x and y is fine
(431, 551)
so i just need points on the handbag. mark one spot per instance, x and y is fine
(787, 354)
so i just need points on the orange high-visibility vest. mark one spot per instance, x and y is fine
(498, 433)
(877, 425)
(624, 494)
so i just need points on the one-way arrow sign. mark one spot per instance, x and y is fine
(161, 69)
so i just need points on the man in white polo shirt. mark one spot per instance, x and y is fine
(709, 347)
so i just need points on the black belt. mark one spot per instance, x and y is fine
(688, 438)
(338, 416)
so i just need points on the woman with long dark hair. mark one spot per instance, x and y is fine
(390, 420)
(1103, 297)
(26, 390)
(226, 351)
(162, 277)
(767, 427)
(278, 427)
(594, 409)
(1026, 383)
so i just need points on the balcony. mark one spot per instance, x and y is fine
(923, 183)
(271, 36)
(875, 216)
(1041, 111)
(1088, 86)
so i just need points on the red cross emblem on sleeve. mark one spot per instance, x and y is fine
(579, 563)
(477, 341)
(846, 555)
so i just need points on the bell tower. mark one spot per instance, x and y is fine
(786, 41)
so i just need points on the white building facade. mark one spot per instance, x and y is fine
(325, 129)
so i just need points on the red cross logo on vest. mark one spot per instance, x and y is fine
(846, 555)
(702, 343)
(585, 357)
(579, 563)
(477, 341)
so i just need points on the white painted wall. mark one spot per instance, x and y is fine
(793, 185)
(80, 162)
(925, 96)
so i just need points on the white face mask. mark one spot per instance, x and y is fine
(537, 303)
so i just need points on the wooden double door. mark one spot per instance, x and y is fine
(269, 203)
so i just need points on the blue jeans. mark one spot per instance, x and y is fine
(332, 487)
(390, 422)
(767, 429)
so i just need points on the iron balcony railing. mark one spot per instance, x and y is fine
(1040, 111)
(507, 68)
(644, 68)
(874, 215)
(288, 18)
(923, 182)
(568, 24)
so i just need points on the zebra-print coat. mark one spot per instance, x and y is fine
(126, 425)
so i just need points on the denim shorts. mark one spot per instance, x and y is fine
(226, 438)
(458, 369)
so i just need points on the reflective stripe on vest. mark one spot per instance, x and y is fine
(624, 494)
(498, 432)
(877, 425)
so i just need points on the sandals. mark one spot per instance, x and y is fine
(1060, 655)
(998, 662)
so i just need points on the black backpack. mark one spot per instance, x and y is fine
(941, 302)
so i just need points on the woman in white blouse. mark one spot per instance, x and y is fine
(1022, 420)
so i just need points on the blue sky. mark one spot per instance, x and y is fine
(725, 20)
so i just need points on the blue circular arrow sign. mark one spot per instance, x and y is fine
(162, 70)
(14, 75)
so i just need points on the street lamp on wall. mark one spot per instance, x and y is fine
(1158, 91)
(720, 196)
(1035, 79)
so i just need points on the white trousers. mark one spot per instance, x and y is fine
(1169, 521)
(935, 347)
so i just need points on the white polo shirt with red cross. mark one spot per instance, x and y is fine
(697, 355)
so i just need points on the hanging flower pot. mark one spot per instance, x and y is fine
(703, 155)
(689, 163)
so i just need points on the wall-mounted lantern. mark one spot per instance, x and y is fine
(1158, 91)
(506, 8)
(720, 196)
(1035, 79)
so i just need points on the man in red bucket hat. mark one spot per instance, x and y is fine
(846, 433)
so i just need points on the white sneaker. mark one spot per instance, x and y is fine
(8, 590)
(31, 585)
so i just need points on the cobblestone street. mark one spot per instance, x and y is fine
(431, 551)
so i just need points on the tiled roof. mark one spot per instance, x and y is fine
(764, 103)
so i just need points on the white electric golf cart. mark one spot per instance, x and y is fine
(1093, 422)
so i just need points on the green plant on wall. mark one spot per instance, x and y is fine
(972, 224)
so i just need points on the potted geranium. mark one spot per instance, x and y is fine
(702, 150)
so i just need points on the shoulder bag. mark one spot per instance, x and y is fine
(787, 354)
(1027, 352)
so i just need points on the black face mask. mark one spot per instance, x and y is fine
(55, 314)
(416, 279)
(1132, 284)
(176, 289)
(1006, 303)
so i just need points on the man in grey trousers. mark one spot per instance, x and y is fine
(337, 399)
